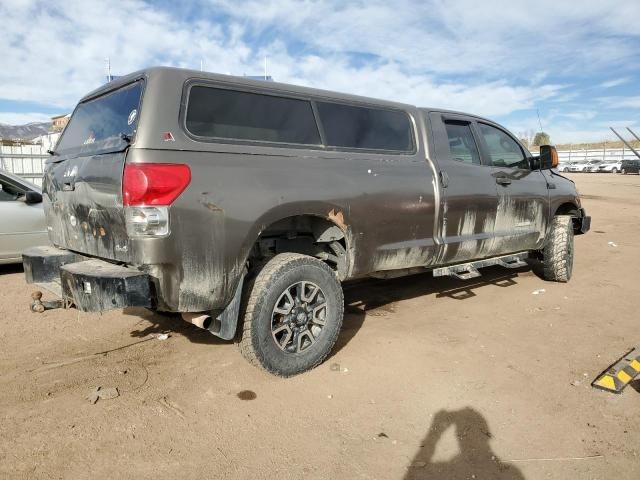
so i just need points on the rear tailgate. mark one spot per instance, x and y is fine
(82, 186)
(83, 205)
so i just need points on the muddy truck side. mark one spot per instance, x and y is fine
(244, 204)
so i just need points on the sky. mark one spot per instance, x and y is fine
(576, 63)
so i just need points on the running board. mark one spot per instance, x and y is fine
(467, 271)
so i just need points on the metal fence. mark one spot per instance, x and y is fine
(26, 161)
(602, 154)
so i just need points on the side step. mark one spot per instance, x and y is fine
(467, 271)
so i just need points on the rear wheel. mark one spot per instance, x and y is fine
(624, 171)
(558, 250)
(293, 313)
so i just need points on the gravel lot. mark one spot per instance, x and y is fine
(432, 378)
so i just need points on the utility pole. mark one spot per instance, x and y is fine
(108, 69)
(265, 67)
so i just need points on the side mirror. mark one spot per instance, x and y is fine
(548, 157)
(31, 197)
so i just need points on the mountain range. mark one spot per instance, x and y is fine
(24, 132)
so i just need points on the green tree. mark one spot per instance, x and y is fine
(541, 138)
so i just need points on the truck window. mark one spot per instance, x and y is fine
(350, 126)
(230, 114)
(504, 151)
(462, 145)
(98, 125)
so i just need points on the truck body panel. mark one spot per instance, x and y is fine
(396, 209)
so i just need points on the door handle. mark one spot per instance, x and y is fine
(503, 180)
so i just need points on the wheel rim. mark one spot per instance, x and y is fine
(298, 317)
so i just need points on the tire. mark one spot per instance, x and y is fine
(623, 171)
(614, 170)
(289, 344)
(565, 170)
(557, 255)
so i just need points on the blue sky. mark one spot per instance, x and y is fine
(577, 63)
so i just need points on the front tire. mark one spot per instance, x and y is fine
(558, 250)
(624, 171)
(293, 312)
(614, 170)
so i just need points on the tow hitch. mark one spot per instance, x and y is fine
(88, 284)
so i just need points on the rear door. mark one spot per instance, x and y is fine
(82, 186)
(21, 225)
(523, 194)
(469, 203)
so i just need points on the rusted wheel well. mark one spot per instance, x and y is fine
(306, 234)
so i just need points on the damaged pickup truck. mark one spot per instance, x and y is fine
(243, 205)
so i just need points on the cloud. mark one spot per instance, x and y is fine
(15, 118)
(492, 58)
(620, 102)
(615, 82)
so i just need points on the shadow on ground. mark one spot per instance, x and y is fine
(11, 268)
(373, 298)
(475, 458)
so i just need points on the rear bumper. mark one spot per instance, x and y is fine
(91, 285)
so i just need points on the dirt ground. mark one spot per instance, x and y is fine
(432, 378)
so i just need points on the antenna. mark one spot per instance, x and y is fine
(539, 122)
(201, 65)
(265, 67)
(108, 69)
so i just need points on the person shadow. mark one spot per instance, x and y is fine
(475, 459)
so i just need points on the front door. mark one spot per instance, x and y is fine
(523, 195)
(468, 202)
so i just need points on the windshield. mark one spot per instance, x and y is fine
(104, 123)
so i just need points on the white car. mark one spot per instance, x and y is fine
(584, 166)
(564, 166)
(610, 167)
(22, 223)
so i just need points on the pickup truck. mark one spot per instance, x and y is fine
(243, 205)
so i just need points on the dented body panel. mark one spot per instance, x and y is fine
(394, 210)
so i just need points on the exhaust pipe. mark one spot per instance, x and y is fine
(200, 320)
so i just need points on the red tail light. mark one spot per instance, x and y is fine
(154, 183)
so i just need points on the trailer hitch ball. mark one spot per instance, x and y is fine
(36, 302)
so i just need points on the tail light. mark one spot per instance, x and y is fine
(154, 183)
(147, 191)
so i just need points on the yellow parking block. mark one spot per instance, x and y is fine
(618, 375)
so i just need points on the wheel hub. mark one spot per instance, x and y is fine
(298, 317)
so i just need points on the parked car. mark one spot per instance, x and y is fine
(564, 166)
(22, 223)
(610, 167)
(630, 166)
(243, 204)
(583, 166)
(592, 166)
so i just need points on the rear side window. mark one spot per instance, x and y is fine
(229, 114)
(462, 145)
(351, 126)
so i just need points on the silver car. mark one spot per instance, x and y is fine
(22, 223)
